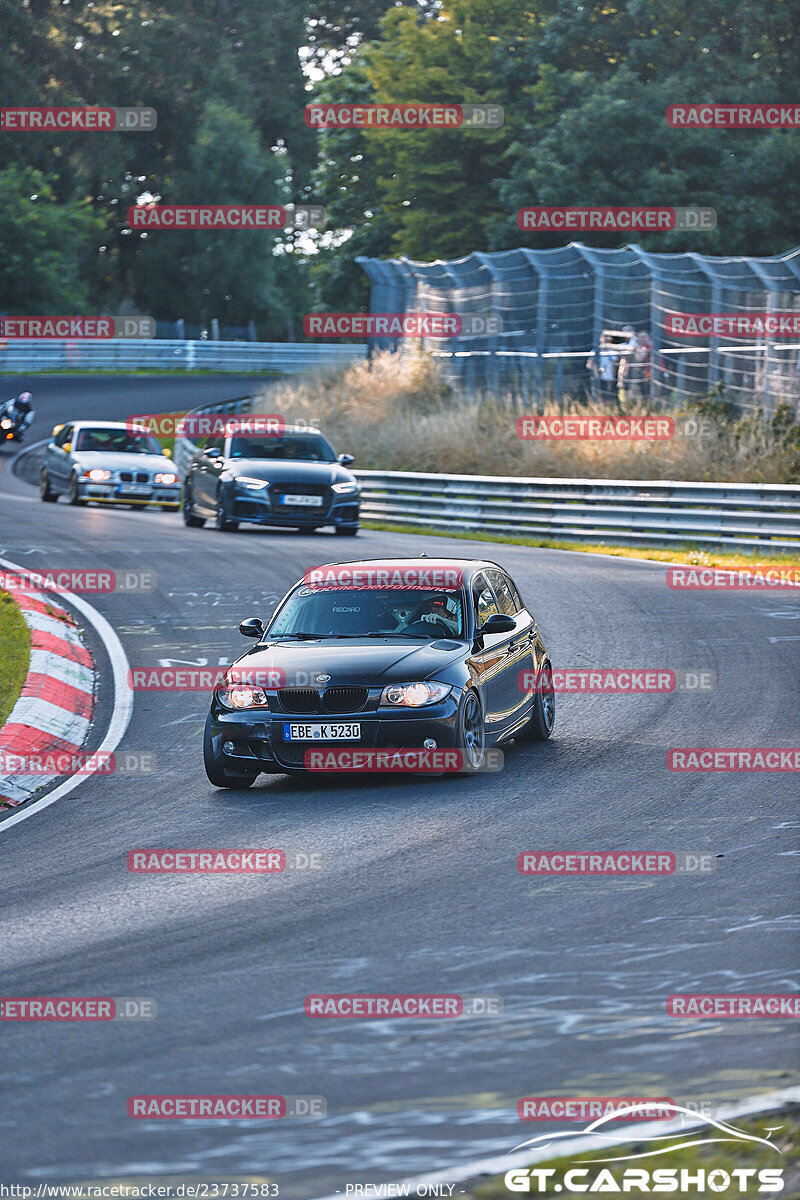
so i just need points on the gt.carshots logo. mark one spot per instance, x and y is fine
(224, 1107)
(404, 116)
(736, 758)
(733, 325)
(224, 216)
(192, 425)
(603, 429)
(423, 1005)
(674, 1129)
(75, 328)
(401, 324)
(39, 119)
(432, 576)
(603, 217)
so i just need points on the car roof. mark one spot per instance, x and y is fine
(97, 424)
(301, 429)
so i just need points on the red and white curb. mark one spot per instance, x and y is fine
(54, 710)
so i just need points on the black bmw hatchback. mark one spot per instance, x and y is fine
(295, 480)
(364, 660)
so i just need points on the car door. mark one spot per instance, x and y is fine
(205, 477)
(488, 656)
(58, 460)
(519, 663)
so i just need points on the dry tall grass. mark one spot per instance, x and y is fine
(398, 414)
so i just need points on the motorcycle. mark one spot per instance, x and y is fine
(12, 423)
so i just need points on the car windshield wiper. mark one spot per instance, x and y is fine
(298, 637)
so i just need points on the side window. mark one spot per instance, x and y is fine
(483, 600)
(63, 435)
(512, 587)
(505, 599)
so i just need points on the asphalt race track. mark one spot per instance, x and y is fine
(421, 891)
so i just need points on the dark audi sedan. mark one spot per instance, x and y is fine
(295, 480)
(363, 658)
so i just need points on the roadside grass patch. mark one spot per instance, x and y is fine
(15, 640)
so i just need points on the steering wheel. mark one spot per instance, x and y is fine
(428, 627)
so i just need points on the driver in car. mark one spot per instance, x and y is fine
(435, 611)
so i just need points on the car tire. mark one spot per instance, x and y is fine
(189, 519)
(543, 717)
(74, 498)
(215, 770)
(222, 521)
(470, 733)
(346, 530)
(45, 491)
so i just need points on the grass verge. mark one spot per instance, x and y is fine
(16, 642)
(692, 555)
(726, 1157)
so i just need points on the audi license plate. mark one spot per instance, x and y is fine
(330, 731)
(303, 501)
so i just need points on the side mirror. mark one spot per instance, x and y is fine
(212, 452)
(252, 627)
(165, 450)
(346, 459)
(56, 428)
(498, 623)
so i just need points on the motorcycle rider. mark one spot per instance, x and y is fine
(20, 411)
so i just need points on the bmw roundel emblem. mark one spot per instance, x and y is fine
(322, 678)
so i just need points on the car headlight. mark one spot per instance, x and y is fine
(414, 695)
(165, 477)
(243, 697)
(5, 423)
(97, 475)
(252, 484)
(345, 487)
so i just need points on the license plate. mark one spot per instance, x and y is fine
(134, 489)
(331, 731)
(303, 501)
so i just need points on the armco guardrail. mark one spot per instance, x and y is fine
(641, 512)
(638, 512)
(138, 354)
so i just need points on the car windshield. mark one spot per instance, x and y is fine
(117, 441)
(300, 449)
(372, 612)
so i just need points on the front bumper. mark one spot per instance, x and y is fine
(259, 744)
(263, 509)
(112, 493)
